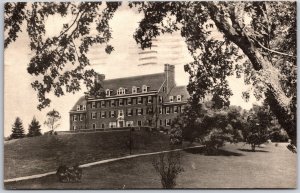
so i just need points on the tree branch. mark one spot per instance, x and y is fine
(270, 50)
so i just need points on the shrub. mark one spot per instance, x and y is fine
(175, 133)
(168, 166)
(279, 136)
(216, 139)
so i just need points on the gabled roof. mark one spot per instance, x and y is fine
(81, 101)
(180, 90)
(153, 81)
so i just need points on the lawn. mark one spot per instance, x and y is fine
(42, 154)
(234, 167)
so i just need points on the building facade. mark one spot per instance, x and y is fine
(151, 100)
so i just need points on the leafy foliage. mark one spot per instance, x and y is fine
(253, 39)
(59, 62)
(175, 132)
(17, 129)
(53, 117)
(258, 128)
(168, 165)
(34, 128)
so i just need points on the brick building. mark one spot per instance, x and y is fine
(151, 100)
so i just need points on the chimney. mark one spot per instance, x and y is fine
(169, 76)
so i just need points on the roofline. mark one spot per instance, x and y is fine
(161, 73)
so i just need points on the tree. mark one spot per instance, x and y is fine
(258, 128)
(168, 165)
(256, 40)
(55, 57)
(52, 118)
(34, 128)
(17, 129)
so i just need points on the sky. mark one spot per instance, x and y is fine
(20, 100)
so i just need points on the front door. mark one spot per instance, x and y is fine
(121, 123)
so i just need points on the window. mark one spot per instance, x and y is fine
(182, 109)
(160, 110)
(81, 117)
(94, 125)
(78, 107)
(102, 103)
(140, 100)
(94, 115)
(102, 125)
(93, 105)
(161, 100)
(175, 109)
(164, 89)
(171, 98)
(134, 90)
(129, 101)
(112, 124)
(160, 122)
(129, 123)
(168, 122)
(178, 97)
(84, 107)
(139, 123)
(107, 92)
(103, 114)
(129, 112)
(167, 110)
(121, 91)
(149, 99)
(121, 102)
(74, 127)
(112, 103)
(144, 88)
(150, 110)
(112, 113)
(75, 118)
(121, 113)
(139, 111)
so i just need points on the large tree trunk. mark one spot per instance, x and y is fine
(270, 74)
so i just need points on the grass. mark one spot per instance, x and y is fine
(274, 167)
(42, 154)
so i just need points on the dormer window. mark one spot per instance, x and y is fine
(78, 107)
(107, 91)
(84, 107)
(134, 90)
(178, 97)
(171, 98)
(121, 91)
(144, 88)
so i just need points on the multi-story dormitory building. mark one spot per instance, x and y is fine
(151, 100)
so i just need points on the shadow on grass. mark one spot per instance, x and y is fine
(249, 150)
(219, 152)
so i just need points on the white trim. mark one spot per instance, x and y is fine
(124, 96)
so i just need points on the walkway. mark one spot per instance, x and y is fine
(97, 163)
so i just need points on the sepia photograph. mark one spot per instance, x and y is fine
(150, 95)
